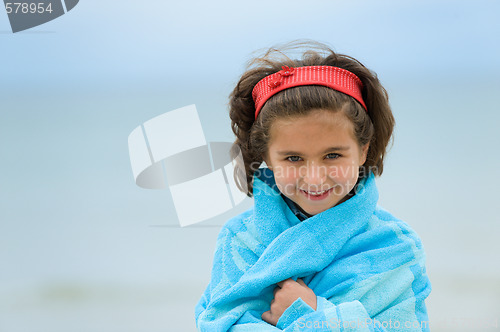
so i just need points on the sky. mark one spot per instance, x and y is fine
(80, 240)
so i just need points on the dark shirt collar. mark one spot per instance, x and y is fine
(295, 209)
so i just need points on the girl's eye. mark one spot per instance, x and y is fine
(293, 158)
(333, 155)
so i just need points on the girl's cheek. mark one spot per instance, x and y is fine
(286, 185)
(285, 176)
(290, 177)
(345, 172)
(287, 173)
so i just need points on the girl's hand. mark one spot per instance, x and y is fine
(284, 295)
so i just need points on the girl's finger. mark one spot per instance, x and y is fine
(300, 281)
(266, 317)
(283, 281)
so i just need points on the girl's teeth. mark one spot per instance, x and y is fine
(316, 193)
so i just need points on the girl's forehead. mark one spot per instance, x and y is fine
(312, 130)
(314, 118)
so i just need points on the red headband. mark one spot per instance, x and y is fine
(333, 77)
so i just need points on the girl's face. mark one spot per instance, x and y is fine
(315, 159)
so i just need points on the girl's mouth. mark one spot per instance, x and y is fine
(316, 195)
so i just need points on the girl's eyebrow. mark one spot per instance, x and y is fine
(333, 148)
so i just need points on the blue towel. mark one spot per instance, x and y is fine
(365, 266)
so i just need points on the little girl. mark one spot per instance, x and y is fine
(315, 252)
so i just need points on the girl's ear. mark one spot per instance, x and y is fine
(364, 153)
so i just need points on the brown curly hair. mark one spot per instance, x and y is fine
(252, 136)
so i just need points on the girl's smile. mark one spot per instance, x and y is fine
(316, 195)
(315, 159)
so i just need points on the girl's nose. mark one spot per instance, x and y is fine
(314, 176)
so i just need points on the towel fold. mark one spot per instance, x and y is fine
(365, 266)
